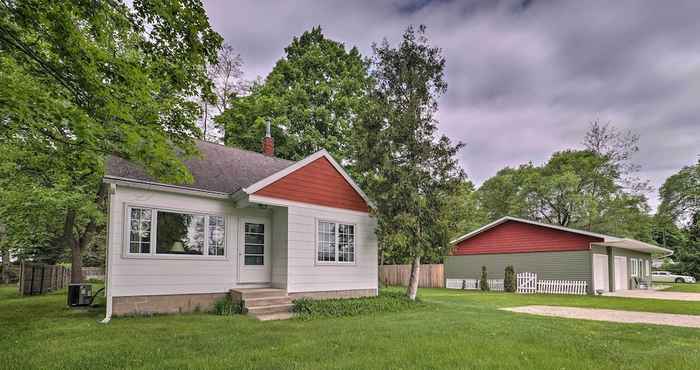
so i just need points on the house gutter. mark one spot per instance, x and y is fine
(150, 185)
(108, 259)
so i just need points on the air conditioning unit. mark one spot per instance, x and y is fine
(79, 295)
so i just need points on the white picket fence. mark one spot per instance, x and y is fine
(527, 284)
(473, 284)
(562, 286)
(496, 285)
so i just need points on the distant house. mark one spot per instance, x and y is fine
(251, 225)
(553, 252)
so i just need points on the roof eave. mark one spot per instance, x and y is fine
(151, 185)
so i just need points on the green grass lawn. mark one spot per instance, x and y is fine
(683, 287)
(453, 329)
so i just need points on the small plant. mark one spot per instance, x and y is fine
(484, 281)
(509, 281)
(225, 307)
(385, 302)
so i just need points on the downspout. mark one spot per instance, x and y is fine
(108, 258)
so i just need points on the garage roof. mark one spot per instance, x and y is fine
(610, 241)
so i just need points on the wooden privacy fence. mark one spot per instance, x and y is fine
(39, 278)
(430, 276)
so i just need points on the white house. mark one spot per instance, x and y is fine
(248, 220)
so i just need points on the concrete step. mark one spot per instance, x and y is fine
(250, 293)
(263, 310)
(274, 316)
(267, 301)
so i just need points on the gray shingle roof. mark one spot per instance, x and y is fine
(220, 168)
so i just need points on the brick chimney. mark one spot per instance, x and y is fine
(268, 143)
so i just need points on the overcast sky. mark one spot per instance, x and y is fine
(525, 77)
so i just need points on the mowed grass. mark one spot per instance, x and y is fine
(683, 287)
(452, 329)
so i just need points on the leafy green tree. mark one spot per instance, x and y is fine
(575, 188)
(678, 218)
(466, 210)
(312, 98)
(680, 195)
(410, 172)
(82, 80)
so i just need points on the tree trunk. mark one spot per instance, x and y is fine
(76, 269)
(412, 289)
(78, 245)
(6, 265)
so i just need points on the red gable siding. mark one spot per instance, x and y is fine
(317, 183)
(518, 237)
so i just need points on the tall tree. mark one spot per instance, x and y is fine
(678, 218)
(228, 83)
(410, 171)
(311, 97)
(82, 80)
(575, 188)
(618, 148)
(680, 195)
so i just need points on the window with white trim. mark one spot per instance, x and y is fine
(161, 232)
(634, 267)
(637, 267)
(254, 240)
(140, 230)
(647, 267)
(336, 242)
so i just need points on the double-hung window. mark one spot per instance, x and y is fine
(335, 242)
(162, 232)
(635, 267)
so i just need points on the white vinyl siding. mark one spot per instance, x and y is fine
(134, 275)
(306, 274)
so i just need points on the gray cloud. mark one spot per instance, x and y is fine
(525, 77)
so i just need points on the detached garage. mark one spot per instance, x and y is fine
(553, 252)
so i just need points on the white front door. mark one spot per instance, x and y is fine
(254, 265)
(601, 279)
(621, 282)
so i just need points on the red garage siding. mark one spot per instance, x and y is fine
(518, 237)
(317, 183)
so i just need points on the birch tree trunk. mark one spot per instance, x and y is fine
(412, 289)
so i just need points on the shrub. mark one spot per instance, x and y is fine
(384, 302)
(509, 281)
(225, 307)
(484, 281)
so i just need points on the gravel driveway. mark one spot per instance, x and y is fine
(655, 294)
(690, 321)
